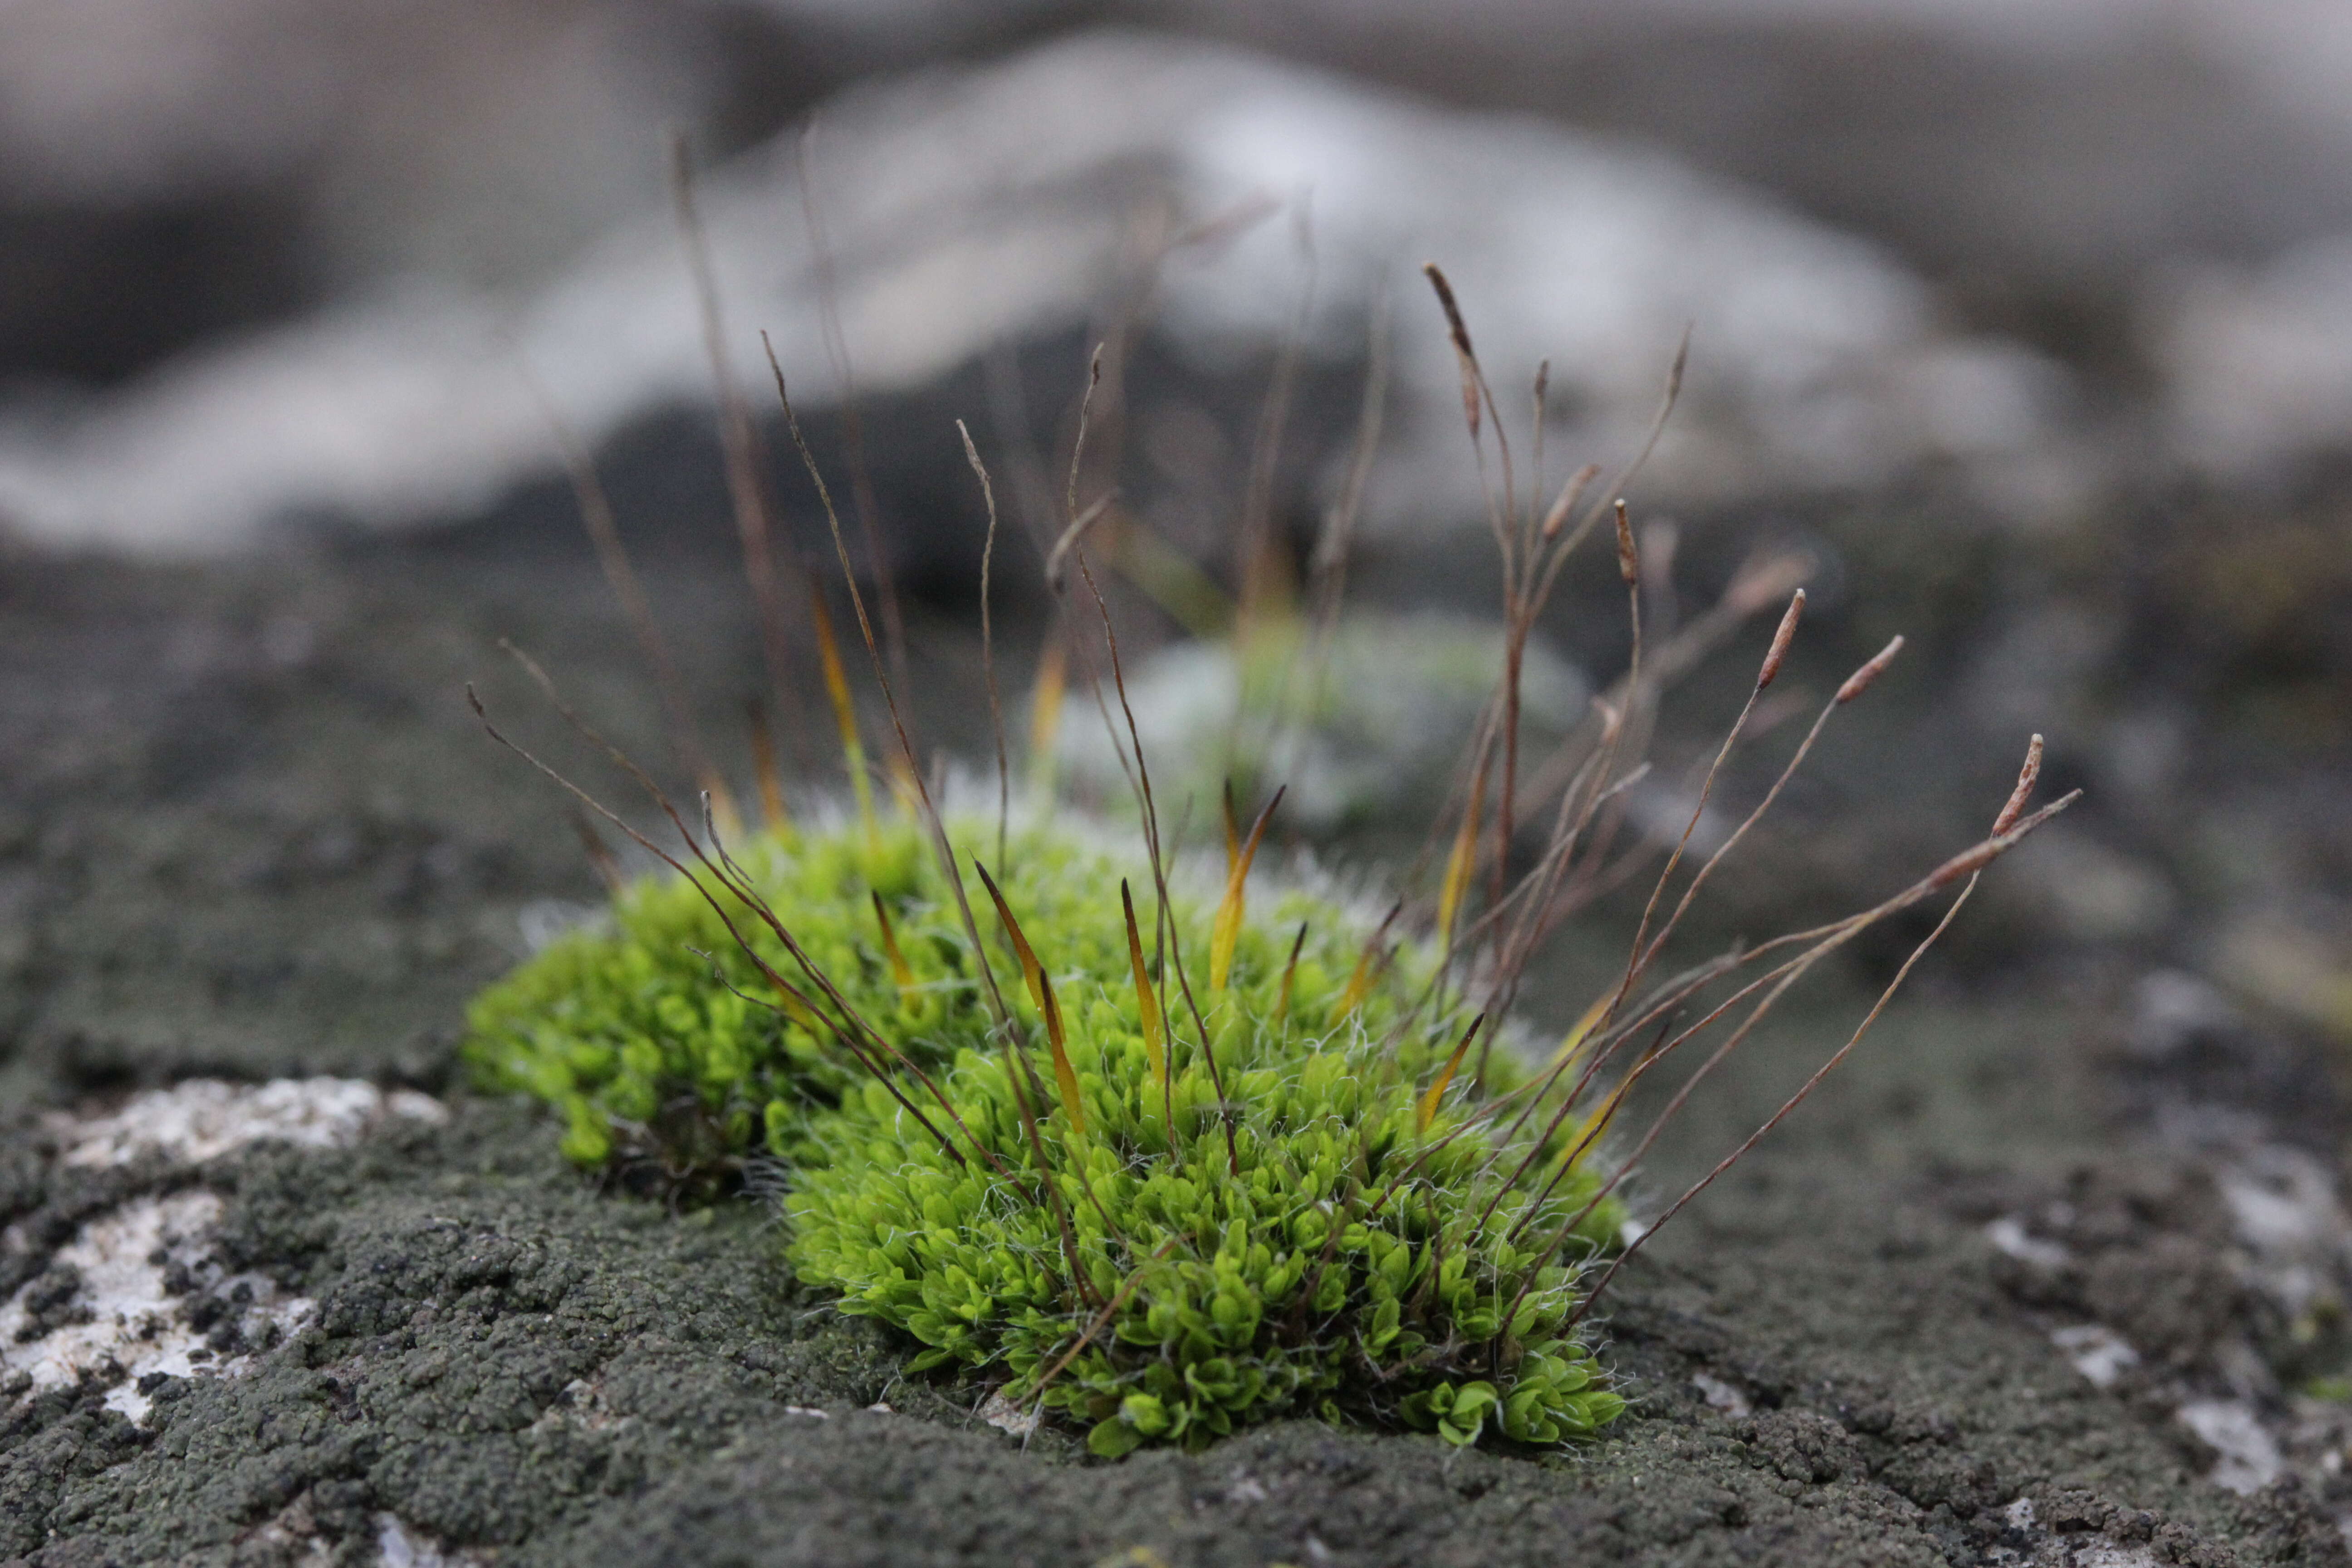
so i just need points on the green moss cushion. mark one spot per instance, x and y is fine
(1352, 1227)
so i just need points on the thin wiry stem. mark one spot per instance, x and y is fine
(852, 414)
(1159, 866)
(1256, 545)
(784, 987)
(1770, 796)
(1969, 863)
(931, 814)
(597, 518)
(1101, 1320)
(739, 440)
(1775, 1120)
(1142, 778)
(988, 646)
(1332, 549)
(1639, 957)
(1629, 568)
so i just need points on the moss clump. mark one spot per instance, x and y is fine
(629, 1032)
(1354, 1225)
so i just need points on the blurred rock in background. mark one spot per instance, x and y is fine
(2049, 169)
(973, 207)
(268, 261)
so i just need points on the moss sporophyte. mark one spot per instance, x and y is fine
(1100, 1131)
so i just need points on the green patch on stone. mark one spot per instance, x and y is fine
(1339, 1213)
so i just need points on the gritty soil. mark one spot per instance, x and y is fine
(247, 829)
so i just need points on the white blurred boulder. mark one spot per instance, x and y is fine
(970, 206)
(2257, 359)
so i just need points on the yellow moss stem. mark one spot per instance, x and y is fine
(1045, 717)
(1227, 929)
(1458, 866)
(900, 975)
(1147, 1002)
(1428, 1102)
(1066, 1077)
(844, 714)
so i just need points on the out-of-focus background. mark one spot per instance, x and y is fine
(267, 261)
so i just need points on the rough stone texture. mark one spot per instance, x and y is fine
(502, 1358)
(232, 861)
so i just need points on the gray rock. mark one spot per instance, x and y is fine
(974, 206)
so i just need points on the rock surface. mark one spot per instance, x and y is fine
(1867, 1346)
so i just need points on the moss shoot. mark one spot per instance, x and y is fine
(1162, 1199)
